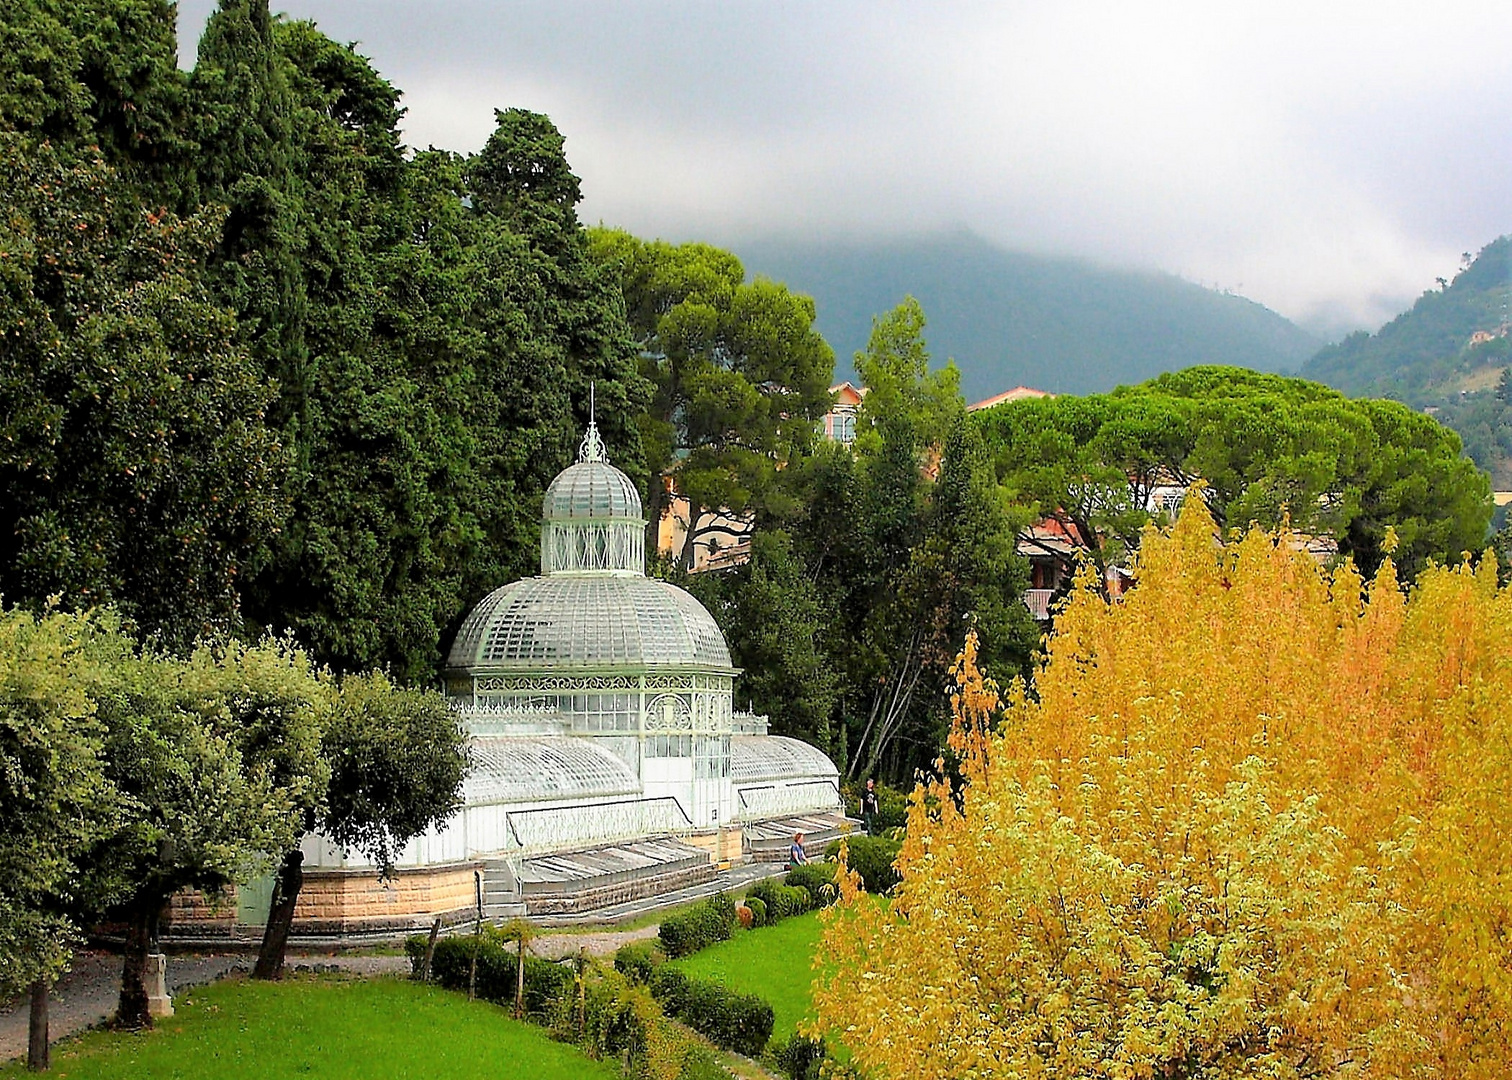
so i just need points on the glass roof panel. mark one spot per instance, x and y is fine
(591, 489)
(588, 620)
(518, 769)
(777, 757)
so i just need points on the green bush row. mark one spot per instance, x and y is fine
(872, 857)
(780, 901)
(739, 1022)
(451, 967)
(602, 1012)
(635, 961)
(699, 927)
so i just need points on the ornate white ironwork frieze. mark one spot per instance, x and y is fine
(553, 684)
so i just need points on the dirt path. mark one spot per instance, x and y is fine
(601, 943)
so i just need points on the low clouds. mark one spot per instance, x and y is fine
(1328, 160)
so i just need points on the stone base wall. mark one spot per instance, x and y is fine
(343, 902)
(201, 915)
(336, 903)
(723, 845)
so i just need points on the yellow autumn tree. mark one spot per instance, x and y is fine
(1253, 820)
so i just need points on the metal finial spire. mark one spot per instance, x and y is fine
(592, 447)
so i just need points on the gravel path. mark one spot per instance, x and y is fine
(86, 996)
(594, 942)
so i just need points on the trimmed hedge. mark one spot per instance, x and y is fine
(451, 964)
(781, 900)
(698, 927)
(758, 911)
(615, 1018)
(871, 857)
(818, 878)
(735, 1021)
(634, 961)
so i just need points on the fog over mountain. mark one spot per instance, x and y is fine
(1322, 159)
(1008, 318)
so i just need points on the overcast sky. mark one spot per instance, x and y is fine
(1327, 159)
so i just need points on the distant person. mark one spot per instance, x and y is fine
(796, 855)
(870, 808)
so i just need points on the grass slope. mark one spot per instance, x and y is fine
(381, 1029)
(1008, 317)
(774, 962)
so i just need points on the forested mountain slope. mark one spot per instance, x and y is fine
(1449, 354)
(1008, 318)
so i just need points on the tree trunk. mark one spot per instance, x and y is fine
(690, 538)
(37, 1048)
(519, 1009)
(131, 1009)
(275, 942)
(656, 501)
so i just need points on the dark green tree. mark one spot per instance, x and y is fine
(250, 161)
(136, 467)
(909, 542)
(1267, 447)
(99, 77)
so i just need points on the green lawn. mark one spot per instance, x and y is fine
(333, 1029)
(774, 962)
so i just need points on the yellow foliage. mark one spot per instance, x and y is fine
(1253, 820)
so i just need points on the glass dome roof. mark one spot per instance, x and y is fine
(596, 621)
(776, 757)
(592, 489)
(514, 769)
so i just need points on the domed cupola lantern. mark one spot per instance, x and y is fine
(592, 520)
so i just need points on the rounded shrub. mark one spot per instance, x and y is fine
(872, 857)
(781, 900)
(818, 878)
(758, 911)
(800, 1057)
(634, 961)
(699, 927)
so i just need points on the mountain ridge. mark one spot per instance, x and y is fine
(1009, 318)
(1449, 354)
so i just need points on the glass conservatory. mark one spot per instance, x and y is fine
(605, 744)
